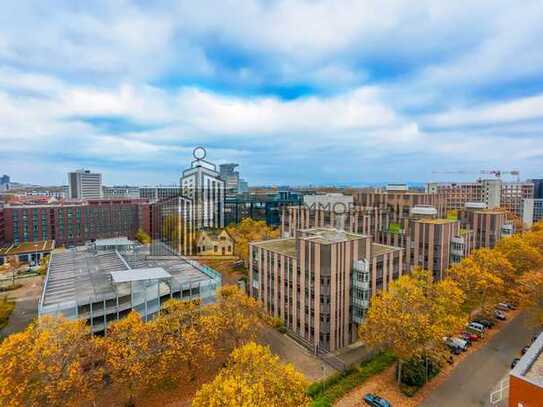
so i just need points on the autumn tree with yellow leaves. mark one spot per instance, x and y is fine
(238, 318)
(413, 315)
(249, 230)
(130, 358)
(187, 336)
(254, 377)
(480, 283)
(530, 289)
(522, 256)
(51, 363)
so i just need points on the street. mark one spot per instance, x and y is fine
(471, 383)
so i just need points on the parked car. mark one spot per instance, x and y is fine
(514, 362)
(487, 323)
(477, 327)
(500, 315)
(453, 346)
(376, 401)
(524, 350)
(461, 343)
(502, 306)
(470, 335)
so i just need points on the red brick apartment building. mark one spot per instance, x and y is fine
(73, 223)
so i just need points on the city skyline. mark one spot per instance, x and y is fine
(358, 93)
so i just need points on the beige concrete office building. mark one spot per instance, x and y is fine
(397, 203)
(320, 282)
(434, 244)
(487, 224)
(365, 221)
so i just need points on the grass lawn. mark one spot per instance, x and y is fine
(326, 392)
(6, 307)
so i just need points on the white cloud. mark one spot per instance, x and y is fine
(527, 108)
(118, 60)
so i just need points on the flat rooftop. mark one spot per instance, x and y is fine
(530, 365)
(436, 221)
(28, 247)
(114, 241)
(286, 247)
(378, 249)
(83, 275)
(328, 236)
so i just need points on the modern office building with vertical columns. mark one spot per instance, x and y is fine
(320, 283)
(434, 244)
(487, 224)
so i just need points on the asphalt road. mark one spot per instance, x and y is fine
(471, 383)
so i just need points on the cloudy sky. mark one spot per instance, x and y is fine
(297, 92)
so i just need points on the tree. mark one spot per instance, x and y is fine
(481, 285)
(521, 255)
(535, 238)
(254, 377)
(249, 230)
(130, 357)
(51, 363)
(530, 289)
(238, 318)
(143, 237)
(413, 315)
(187, 334)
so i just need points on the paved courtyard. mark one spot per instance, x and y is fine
(290, 351)
(26, 305)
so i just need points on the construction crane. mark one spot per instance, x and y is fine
(496, 173)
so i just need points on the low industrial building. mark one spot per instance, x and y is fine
(320, 282)
(103, 281)
(29, 252)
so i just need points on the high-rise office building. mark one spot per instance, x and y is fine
(204, 186)
(83, 184)
(4, 182)
(538, 188)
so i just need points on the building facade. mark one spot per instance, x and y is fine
(120, 192)
(214, 243)
(397, 203)
(493, 192)
(320, 283)
(434, 244)
(83, 184)
(262, 207)
(75, 223)
(156, 193)
(538, 210)
(202, 184)
(487, 224)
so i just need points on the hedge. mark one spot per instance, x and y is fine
(326, 392)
